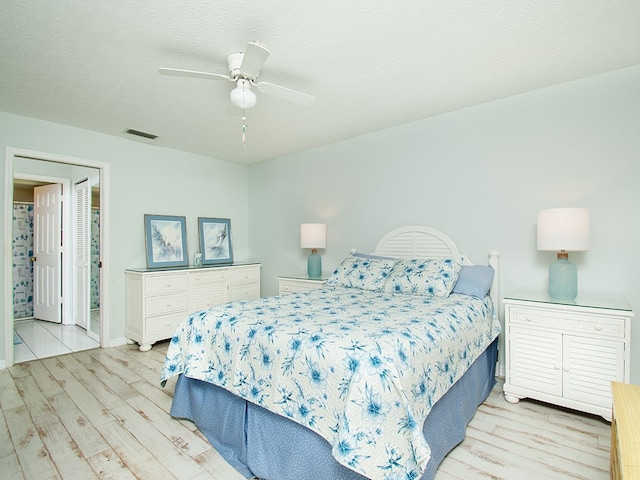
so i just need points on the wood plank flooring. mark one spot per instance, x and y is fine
(101, 414)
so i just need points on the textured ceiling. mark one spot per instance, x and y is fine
(370, 64)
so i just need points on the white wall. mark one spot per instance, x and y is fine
(144, 179)
(479, 174)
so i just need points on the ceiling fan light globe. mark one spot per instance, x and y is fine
(243, 98)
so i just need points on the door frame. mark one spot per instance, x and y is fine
(105, 251)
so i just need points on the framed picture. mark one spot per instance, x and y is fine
(215, 240)
(166, 241)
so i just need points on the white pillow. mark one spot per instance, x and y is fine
(424, 277)
(362, 272)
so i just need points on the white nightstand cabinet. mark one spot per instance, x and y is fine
(158, 300)
(566, 353)
(295, 284)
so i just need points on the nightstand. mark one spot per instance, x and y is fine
(566, 353)
(298, 284)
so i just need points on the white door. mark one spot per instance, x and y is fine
(47, 251)
(82, 254)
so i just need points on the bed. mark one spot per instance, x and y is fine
(374, 376)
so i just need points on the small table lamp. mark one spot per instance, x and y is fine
(313, 236)
(563, 230)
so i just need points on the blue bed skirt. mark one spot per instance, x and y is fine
(265, 445)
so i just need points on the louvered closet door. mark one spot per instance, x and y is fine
(590, 365)
(535, 360)
(82, 253)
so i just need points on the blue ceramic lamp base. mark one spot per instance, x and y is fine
(563, 278)
(314, 265)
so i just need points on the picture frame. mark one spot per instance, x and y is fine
(166, 241)
(215, 240)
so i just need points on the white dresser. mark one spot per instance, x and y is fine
(158, 300)
(566, 353)
(298, 284)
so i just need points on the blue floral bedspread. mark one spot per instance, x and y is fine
(361, 368)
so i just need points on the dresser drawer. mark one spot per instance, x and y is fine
(160, 305)
(208, 277)
(287, 288)
(587, 323)
(164, 326)
(163, 284)
(241, 276)
(244, 292)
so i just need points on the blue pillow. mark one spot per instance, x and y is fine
(371, 255)
(474, 280)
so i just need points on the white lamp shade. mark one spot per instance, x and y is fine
(313, 235)
(242, 96)
(563, 229)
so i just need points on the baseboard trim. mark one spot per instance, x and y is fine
(117, 342)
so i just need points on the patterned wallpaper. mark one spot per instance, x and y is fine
(95, 258)
(23, 267)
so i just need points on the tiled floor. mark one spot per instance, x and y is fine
(42, 339)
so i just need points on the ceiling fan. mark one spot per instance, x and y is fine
(244, 68)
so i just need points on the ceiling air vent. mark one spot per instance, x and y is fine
(141, 134)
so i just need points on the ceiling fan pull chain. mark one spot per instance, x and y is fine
(244, 131)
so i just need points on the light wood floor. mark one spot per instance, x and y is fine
(102, 414)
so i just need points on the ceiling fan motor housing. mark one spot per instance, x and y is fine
(234, 62)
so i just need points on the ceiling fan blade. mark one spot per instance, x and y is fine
(288, 94)
(254, 57)
(191, 73)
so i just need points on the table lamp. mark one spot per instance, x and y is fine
(563, 230)
(313, 236)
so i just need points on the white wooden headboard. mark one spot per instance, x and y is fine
(417, 241)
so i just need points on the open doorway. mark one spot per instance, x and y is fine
(38, 266)
(55, 169)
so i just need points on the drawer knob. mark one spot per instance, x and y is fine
(597, 326)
